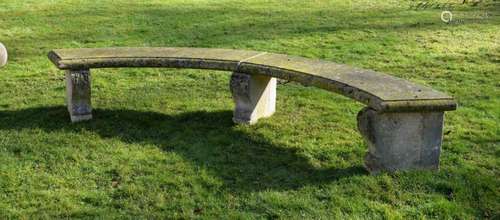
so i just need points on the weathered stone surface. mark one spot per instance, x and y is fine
(381, 92)
(78, 93)
(3, 55)
(401, 141)
(202, 58)
(254, 97)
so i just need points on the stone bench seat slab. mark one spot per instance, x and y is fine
(198, 58)
(380, 91)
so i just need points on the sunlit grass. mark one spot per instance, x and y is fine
(162, 144)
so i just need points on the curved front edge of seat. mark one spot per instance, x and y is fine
(146, 62)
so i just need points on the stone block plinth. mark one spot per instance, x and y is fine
(399, 141)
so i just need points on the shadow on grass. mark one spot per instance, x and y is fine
(209, 139)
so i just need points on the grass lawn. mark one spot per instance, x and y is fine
(162, 143)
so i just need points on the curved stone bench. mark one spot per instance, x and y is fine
(402, 122)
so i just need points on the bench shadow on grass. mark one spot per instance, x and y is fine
(208, 139)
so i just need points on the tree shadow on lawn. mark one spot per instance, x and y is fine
(224, 27)
(209, 139)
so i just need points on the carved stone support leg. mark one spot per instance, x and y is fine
(401, 140)
(254, 96)
(78, 95)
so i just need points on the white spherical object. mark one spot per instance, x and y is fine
(3, 55)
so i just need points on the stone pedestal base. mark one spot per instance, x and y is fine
(3, 55)
(400, 141)
(254, 96)
(78, 95)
